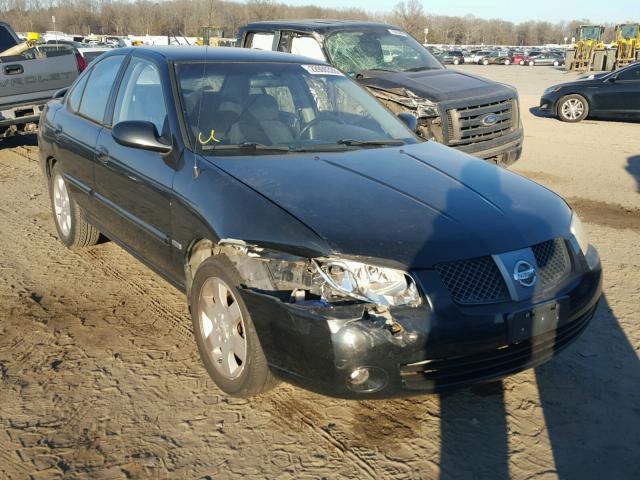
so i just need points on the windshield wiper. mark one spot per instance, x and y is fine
(421, 69)
(349, 142)
(247, 146)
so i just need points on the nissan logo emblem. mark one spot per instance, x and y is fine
(489, 120)
(525, 274)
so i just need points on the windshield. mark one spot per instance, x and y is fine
(590, 33)
(358, 52)
(629, 31)
(284, 106)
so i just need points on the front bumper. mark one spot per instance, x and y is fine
(503, 151)
(436, 347)
(548, 103)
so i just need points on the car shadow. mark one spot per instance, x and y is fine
(633, 167)
(27, 140)
(590, 401)
(590, 398)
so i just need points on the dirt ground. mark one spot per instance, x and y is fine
(100, 378)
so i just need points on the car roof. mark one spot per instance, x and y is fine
(193, 53)
(322, 26)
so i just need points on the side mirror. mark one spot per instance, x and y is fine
(409, 120)
(612, 79)
(136, 134)
(60, 93)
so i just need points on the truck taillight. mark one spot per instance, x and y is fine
(82, 63)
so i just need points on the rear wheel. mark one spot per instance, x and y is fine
(521, 62)
(507, 62)
(572, 108)
(226, 337)
(73, 230)
(556, 63)
(456, 62)
(532, 63)
(485, 62)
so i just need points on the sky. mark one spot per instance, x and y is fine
(617, 11)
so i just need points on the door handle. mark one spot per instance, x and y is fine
(13, 69)
(102, 154)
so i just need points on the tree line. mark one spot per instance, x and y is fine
(184, 17)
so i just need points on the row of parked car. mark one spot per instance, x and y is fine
(501, 57)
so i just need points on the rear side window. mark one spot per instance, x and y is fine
(140, 96)
(98, 88)
(75, 95)
(260, 40)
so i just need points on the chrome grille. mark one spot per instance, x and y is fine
(464, 125)
(473, 281)
(553, 261)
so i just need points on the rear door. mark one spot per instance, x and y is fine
(76, 127)
(134, 186)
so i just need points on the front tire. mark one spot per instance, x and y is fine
(532, 63)
(485, 62)
(507, 62)
(556, 63)
(456, 62)
(573, 108)
(73, 230)
(226, 337)
(521, 62)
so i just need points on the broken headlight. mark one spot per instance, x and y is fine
(334, 279)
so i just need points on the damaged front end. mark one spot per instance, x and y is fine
(400, 100)
(329, 324)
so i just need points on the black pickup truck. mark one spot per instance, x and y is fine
(29, 76)
(470, 113)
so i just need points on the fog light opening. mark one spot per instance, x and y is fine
(359, 376)
(367, 379)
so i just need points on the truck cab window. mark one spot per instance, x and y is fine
(259, 41)
(308, 47)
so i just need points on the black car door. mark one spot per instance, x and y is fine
(76, 128)
(134, 186)
(620, 93)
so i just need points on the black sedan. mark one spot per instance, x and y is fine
(554, 59)
(317, 239)
(607, 95)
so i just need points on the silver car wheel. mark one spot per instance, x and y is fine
(572, 109)
(222, 328)
(61, 205)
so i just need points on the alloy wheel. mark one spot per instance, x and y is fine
(61, 205)
(573, 109)
(222, 328)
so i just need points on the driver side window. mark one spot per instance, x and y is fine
(140, 96)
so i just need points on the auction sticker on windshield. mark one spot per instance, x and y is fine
(322, 70)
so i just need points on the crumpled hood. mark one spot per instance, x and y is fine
(439, 85)
(413, 206)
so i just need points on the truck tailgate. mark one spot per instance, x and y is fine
(32, 80)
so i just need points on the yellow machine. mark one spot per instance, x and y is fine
(627, 44)
(32, 39)
(589, 50)
(210, 35)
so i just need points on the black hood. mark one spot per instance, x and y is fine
(413, 206)
(439, 85)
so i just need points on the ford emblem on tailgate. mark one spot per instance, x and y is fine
(489, 120)
(525, 274)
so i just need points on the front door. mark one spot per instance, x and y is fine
(134, 186)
